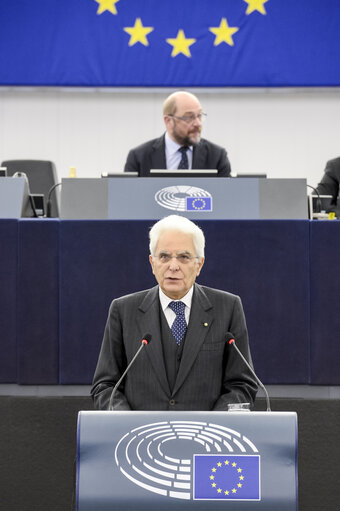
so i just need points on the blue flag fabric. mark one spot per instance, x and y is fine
(170, 42)
(227, 477)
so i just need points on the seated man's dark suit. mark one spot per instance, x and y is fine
(329, 184)
(151, 155)
(204, 373)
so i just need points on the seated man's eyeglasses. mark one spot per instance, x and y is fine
(164, 258)
(189, 119)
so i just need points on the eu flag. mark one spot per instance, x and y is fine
(198, 204)
(172, 43)
(229, 477)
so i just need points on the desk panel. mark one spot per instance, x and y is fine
(8, 297)
(38, 302)
(325, 292)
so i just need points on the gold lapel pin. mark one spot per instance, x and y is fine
(205, 324)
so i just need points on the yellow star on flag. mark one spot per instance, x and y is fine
(107, 5)
(223, 33)
(256, 5)
(180, 44)
(138, 33)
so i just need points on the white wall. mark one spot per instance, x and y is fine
(282, 132)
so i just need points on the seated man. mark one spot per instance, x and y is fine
(329, 184)
(189, 364)
(181, 147)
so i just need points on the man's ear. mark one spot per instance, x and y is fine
(151, 262)
(200, 265)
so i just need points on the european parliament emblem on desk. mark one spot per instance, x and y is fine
(190, 460)
(184, 198)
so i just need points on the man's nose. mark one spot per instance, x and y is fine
(197, 121)
(173, 265)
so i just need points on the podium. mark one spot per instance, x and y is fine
(187, 460)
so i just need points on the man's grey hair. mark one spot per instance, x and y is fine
(181, 224)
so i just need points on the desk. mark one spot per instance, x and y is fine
(58, 278)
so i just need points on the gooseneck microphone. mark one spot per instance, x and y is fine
(232, 341)
(144, 342)
(49, 200)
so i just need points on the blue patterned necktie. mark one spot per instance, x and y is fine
(184, 163)
(179, 326)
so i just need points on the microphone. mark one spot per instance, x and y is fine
(318, 202)
(145, 341)
(49, 200)
(233, 343)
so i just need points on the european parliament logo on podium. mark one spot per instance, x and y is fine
(190, 460)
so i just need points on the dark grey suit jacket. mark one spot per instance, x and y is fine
(151, 155)
(211, 373)
(329, 184)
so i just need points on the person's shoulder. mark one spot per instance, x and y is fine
(334, 162)
(217, 294)
(132, 298)
(149, 144)
(211, 145)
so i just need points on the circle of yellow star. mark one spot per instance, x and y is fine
(256, 5)
(223, 33)
(138, 33)
(180, 44)
(107, 5)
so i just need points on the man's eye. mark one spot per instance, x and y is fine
(183, 258)
(164, 257)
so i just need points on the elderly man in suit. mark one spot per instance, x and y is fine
(189, 364)
(181, 147)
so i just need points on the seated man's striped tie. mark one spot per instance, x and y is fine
(184, 163)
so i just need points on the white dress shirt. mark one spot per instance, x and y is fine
(169, 313)
(172, 154)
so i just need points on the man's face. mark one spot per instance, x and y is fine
(174, 277)
(182, 132)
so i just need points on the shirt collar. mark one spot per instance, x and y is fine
(165, 300)
(172, 146)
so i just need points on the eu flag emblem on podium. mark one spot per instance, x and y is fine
(199, 204)
(226, 477)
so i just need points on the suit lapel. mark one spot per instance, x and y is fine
(157, 159)
(149, 322)
(199, 157)
(201, 318)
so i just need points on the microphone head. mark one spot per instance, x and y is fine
(146, 338)
(230, 338)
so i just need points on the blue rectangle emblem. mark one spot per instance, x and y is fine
(198, 204)
(228, 477)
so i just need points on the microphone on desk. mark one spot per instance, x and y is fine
(144, 342)
(49, 200)
(232, 342)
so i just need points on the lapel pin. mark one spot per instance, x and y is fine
(205, 324)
